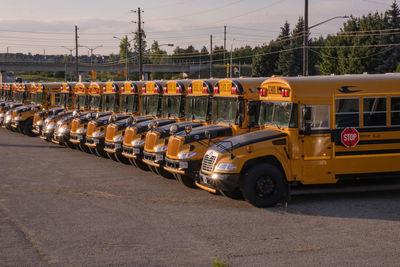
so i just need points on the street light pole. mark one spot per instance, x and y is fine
(230, 65)
(67, 61)
(91, 49)
(305, 39)
(306, 33)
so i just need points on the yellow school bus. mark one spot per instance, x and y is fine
(64, 102)
(20, 97)
(73, 133)
(96, 129)
(198, 111)
(152, 104)
(63, 119)
(40, 96)
(131, 100)
(316, 130)
(156, 140)
(235, 104)
(8, 105)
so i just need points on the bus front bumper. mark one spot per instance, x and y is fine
(218, 181)
(184, 167)
(132, 152)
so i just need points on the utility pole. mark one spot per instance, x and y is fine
(225, 47)
(211, 51)
(140, 44)
(305, 43)
(76, 53)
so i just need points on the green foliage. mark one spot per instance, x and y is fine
(123, 46)
(218, 263)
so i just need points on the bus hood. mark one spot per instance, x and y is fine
(245, 139)
(202, 132)
(165, 130)
(144, 125)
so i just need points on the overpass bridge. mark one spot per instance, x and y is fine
(84, 69)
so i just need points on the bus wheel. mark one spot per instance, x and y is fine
(84, 148)
(164, 173)
(139, 164)
(264, 185)
(27, 128)
(93, 151)
(70, 145)
(234, 194)
(100, 151)
(121, 158)
(112, 156)
(185, 180)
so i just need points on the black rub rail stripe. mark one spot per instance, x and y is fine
(367, 175)
(367, 152)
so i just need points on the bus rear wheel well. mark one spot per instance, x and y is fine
(266, 159)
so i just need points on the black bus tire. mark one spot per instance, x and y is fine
(264, 185)
(27, 127)
(186, 180)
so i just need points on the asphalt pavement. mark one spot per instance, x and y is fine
(64, 207)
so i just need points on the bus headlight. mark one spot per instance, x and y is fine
(18, 118)
(138, 142)
(226, 167)
(186, 155)
(64, 129)
(118, 139)
(50, 126)
(82, 130)
(160, 148)
(98, 134)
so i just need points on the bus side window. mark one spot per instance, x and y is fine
(253, 111)
(319, 117)
(395, 110)
(347, 112)
(374, 111)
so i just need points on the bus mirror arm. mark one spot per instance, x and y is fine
(307, 128)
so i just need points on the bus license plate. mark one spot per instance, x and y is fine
(135, 150)
(183, 164)
(117, 146)
(96, 141)
(204, 179)
(79, 137)
(159, 157)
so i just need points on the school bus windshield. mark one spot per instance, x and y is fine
(19, 96)
(173, 106)
(225, 109)
(196, 107)
(129, 103)
(151, 105)
(281, 114)
(109, 102)
(65, 99)
(95, 102)
(81, 101)
(37, 98)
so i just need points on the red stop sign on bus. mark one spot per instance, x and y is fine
(350, 137)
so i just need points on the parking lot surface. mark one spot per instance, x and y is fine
(65, 207)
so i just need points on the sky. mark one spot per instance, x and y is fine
(45, 26)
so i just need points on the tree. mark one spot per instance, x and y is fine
(112, 58)
(136, 44)
(124, 44)
(157, 55)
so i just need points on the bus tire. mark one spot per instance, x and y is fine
(186, 180)
(27, 128)
(70, 145)
(139, 164)
(234, 194)
(264, 185)
(121, 158)
(112, 156)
